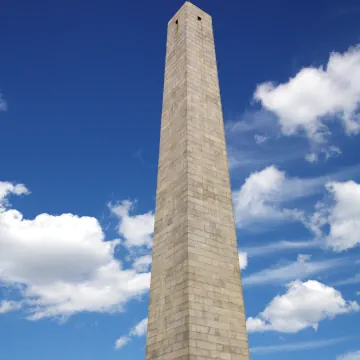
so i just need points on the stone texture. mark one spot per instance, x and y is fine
(196, 308)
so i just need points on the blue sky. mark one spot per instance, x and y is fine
(80, 108)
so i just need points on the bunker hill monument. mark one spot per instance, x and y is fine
(196, 308)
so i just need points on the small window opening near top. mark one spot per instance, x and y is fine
(199, 18)
(176, 22)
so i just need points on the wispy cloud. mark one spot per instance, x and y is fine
(138, 330)
(245, 135)
(138, 154)
(121, 342)
(344, 11)
(252, 121)
(260, 139)
(296, 346)
(299, 269)
(349, 281)
(350, 356)
(3, 104)
(278, 246)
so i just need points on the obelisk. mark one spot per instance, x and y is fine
(196, 308)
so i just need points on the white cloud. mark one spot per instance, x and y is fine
(62, 265)
(139, 330)
(260, 196)
(300, 269)
(350, 356)
(243, 260)
(7, 306)
(328, 152)
(311, 157)
(315, 95)
(6, 189)
(260, 139)
(295, 346)
(304, 305)
(121, 342)
(264, 194)
(137, 230)
(342, 217)
(142, 263)
(3, 104)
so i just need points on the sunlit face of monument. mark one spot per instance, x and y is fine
(196, 309)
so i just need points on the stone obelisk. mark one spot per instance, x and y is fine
(196, 309)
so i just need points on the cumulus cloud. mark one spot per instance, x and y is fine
(243, 260)
(264, 196)
(139, 330)
(350, 356)
(315, 95)
(304, 305)
(62, 265)
(260, 197)
(137, 230)
(6, 189)
(300, 269)
(342, 216)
